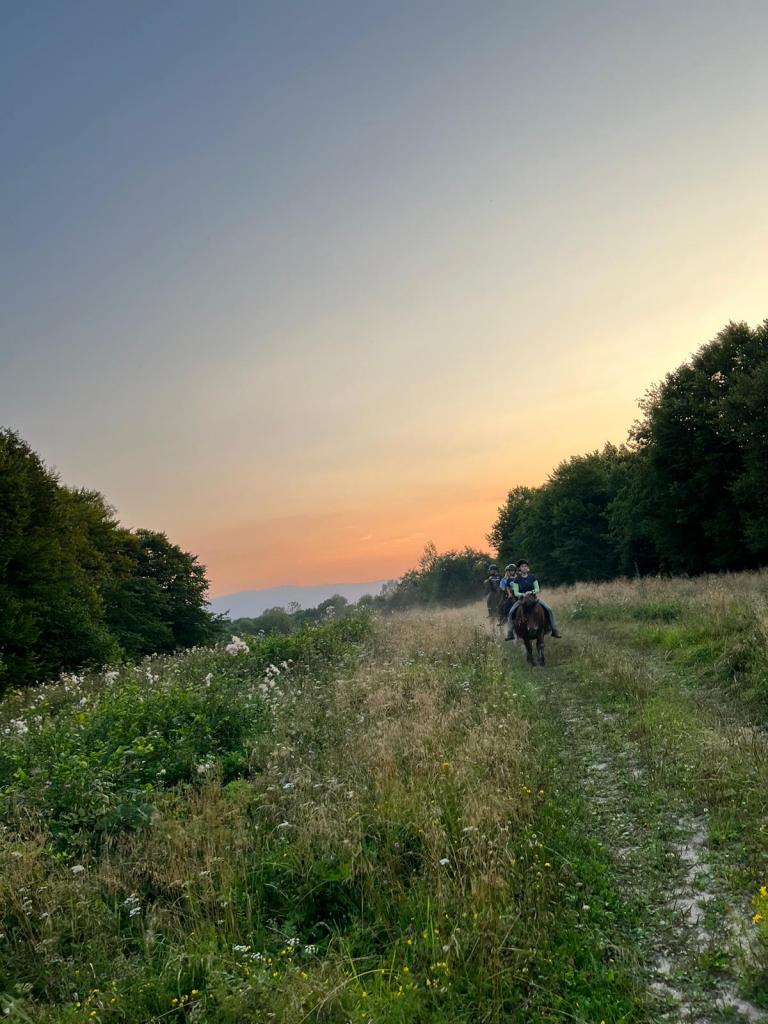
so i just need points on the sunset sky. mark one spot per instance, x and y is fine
(306, 285)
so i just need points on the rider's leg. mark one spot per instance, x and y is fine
(551, 616)
(511, 622)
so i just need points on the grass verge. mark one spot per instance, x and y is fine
(390, 845)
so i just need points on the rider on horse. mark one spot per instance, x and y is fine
(492, 580)
(493, 594)
(505, 586)
(526, 583)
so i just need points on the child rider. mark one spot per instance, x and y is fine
(524, 583)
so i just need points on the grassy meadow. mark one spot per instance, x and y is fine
(394, 819)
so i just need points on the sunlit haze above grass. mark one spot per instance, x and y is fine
(308, 285)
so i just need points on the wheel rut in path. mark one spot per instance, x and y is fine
(659, 845)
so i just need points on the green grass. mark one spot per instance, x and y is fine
(687, 700)
(398, 822)
(378, 837)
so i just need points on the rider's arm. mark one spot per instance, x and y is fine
(535, 586)
(515, 589)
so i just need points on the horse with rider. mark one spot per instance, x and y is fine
(527, 616)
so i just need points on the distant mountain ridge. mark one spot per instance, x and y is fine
(249, 603)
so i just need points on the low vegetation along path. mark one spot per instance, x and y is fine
(673, 777)
(396, 820)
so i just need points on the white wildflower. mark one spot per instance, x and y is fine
(443, 861)
(237, 646)
(78, 869)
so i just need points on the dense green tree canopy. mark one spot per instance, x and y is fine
(688, 494)
(76, 589)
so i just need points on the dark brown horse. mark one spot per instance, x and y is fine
(531, 624)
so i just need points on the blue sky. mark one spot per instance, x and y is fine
(272, 273)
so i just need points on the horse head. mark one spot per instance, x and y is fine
(529, 615)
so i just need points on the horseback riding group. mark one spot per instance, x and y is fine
(514, 603)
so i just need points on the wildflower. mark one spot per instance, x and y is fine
(763, 891)
(443, 861)
(757, 918)
(237, 646)
(78, 869)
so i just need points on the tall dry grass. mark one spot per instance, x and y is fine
(379, 856)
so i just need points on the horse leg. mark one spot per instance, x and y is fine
(528, 651)
(540, 650)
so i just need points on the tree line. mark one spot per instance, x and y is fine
(76, 588)
(687, 493)
(450, 578)
(292, 619)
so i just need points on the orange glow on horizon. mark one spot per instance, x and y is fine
(347, 547)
